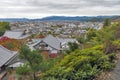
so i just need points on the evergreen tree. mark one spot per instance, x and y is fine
(106, 22)
(33, 58)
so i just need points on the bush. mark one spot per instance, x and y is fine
(9, 45)
(23, 70)
(81, 65)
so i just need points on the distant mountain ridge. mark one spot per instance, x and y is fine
(14, 19)
(76, 18)
(62, 18)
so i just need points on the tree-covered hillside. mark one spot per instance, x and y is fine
(88, 63)
(81, 65)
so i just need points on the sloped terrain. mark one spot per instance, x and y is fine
(112, 75)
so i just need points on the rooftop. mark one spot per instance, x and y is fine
(5, 55)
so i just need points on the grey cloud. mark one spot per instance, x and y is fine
(72, 3)
(67, 7)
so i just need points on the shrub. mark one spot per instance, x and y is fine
(81, 65)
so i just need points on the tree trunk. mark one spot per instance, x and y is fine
(34, 76)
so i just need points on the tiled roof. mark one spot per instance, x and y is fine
(15, 34)
(62, 40)
(52, 41)
(5, 55)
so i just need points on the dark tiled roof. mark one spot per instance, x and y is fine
(15, 34)
(52, 41)
(6, 55)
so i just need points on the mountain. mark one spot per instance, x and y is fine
(62, 18)
(76, 18)
(115, 18)
(79, 18)
(14, 19)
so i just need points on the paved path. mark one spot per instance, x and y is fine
(114, 74)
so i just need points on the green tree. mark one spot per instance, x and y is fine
(81, 41)
(23, 71)
(91, 33)
(33, 58)
(3, 27)
(117, 32)
(106, 22)
(73, 46)
(81, 65)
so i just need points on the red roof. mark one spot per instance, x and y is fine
(4, 38)
(53, 55)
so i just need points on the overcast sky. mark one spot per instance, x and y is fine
(42, 8)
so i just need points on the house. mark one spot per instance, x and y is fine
(64, 42)
(7, 57)
(80, 33)
(51, 44)
(16, 34)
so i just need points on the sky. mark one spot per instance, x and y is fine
(43, 8)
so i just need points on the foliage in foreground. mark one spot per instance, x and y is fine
(81, 65)
(35, 63)
(88, 63)
(33, 58)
